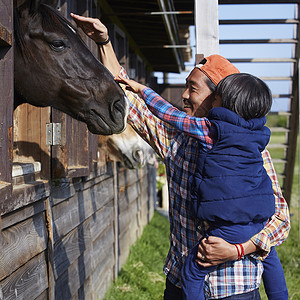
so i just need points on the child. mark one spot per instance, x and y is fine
(230, 189)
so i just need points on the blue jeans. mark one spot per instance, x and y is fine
(172, 292)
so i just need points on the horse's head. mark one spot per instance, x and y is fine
(128, 148)
(54, 67)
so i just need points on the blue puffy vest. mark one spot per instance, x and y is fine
(230, 184)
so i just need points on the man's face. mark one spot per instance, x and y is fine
(196, 96)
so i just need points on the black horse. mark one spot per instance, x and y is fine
(54, 67)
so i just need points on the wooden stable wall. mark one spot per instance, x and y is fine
(68, 217)
(74, 236)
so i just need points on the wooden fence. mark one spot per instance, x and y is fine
(68, 217)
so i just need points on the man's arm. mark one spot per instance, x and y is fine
(155, 132)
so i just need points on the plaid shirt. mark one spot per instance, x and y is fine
(179, 152)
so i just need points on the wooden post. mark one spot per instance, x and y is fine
(207, 28)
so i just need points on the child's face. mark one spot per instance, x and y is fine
(217, 101)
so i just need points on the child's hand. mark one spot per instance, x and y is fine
(131, 85)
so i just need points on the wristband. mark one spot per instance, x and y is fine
(103, 43)
(238, 251)
(241, 251)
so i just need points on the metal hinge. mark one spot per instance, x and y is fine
(53, 134)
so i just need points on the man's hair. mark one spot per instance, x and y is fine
(245, 94)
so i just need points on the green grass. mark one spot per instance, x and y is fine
(142, 277)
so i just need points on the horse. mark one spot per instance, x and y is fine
(128, 148)
(54, 67)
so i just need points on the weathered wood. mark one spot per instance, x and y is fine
(104, 282)
(6, 98)
(71, 247)
(5, 37)
(103, 274)
(84, 292)
(128, 216)
(64, 188)
(70, 213)
(28, 282)
(69, 282)
(101, 247)
(23, 214)
(43, 295)
(30, 136)
(101, 220)
(25, 194)
(20, 243)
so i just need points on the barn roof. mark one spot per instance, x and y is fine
(161, 39)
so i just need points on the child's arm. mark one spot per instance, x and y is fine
(195, 127)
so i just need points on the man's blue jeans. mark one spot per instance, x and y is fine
(172, 292)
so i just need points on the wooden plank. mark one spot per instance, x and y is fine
(101, 246)
(84, 292)
(69, 249)
(64, 188)
(128, 196)
(102, 276)
(5, 37)
(68, 214)
(23, 214)
(28, 282)
(68, 284)
(127, 177)
(104, 282)
(30, 136)
(43, 295)
(207, 28)
(6, 96)
(128, 216)
(25, 194)
(126, 239)
(101, 220)
(20, 243)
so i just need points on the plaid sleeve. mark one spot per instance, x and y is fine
(154, 131)
(198, 128)
(277, 228)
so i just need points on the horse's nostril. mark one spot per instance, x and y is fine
(118, 106)
(117, 111)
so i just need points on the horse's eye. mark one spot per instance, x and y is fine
(57, 45)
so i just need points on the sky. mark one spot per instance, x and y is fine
(251, 11)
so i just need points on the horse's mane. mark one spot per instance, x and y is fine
(51, 20)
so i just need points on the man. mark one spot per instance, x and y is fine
(234, 279)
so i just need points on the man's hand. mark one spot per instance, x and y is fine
(131, 85)
(214, 250)
(92, 27)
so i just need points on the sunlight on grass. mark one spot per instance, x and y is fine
(142, 276)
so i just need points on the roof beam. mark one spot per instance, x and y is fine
(260, 41)
(253, 21)
(173, 34)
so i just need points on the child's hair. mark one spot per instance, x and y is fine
(245, 94)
